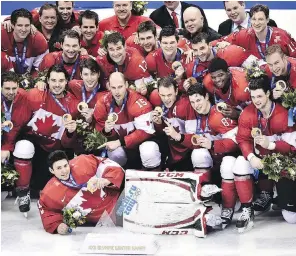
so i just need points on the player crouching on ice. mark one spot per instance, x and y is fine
(87, 183)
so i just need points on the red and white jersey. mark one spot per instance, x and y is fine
(247, 39)
(6, 64)
(56, 195)
(134, 124)
(238, 92)
(54, 58)
(36, 49)
(130, 43)
(134, 67)
(93, 47)
(290, 79)
(176, 116)
(214, 126)
(20, 116)
(234, 56)
(46, 124)
(75, 87)
(158, 66)
(273, 127)
(131, 27)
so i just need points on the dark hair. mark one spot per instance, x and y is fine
(218, 64)
(167, 82)
(114, 38)
(147, 26)
(89, 15)
(59, 69)
(200, 37)
(48, 7)
(91, 64)
(71, 34)
(260, 8)
(24, 13)
(57, 3)
(240, 2)
(197, 88)
(261, 82)
(205, 27)
(168, 31)
(56, 156)
(9, 76)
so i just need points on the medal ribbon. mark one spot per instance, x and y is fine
(196, 74)
(73, 183)
(59, 103)
(20, 61)
(267, 39)
(93, 93)
(74, 68)
(6, 110)
(259, 116)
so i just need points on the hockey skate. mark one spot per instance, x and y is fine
(246, 220)
(226, 216)
(262, 203)
(23, 199)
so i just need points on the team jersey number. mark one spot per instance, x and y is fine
(143, 66)
(141, 103)
(225, 121)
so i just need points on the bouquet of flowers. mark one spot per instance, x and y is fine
(73, 217)
(8, 175)
(41, 77)
(83, 127)
(139, 7)
(25, 81)
(254, 72)
(277, 166)
(94, 140)
(289, 99)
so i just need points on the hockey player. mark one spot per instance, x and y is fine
(25, 50)
(282, 68)
(125, 60)
(70, 56)
(257, 39)
(67, 189)
(227, 85)
(261, 130)
(124, 117)
(6, 64)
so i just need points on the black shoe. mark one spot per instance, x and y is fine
(246, 220)
(226, 216)
(262, 203)
(23, 199)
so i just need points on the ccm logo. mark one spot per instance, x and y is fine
(170, 174)
(175, 232)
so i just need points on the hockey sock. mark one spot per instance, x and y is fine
(244, 188)
(24, 168)
(229, 194)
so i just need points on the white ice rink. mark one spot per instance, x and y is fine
(271, 236)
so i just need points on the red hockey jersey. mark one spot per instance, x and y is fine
(134, 124)
(275, 125)
(95, 44)
(20, 116)
(46, 125)
(55, 196)
(6, 64)
(36, 49)
(238, 92)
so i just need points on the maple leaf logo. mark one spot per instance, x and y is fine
(122, 132)
(177, 128)
(46, 127)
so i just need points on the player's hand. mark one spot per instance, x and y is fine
(189, 54)
(77, 29)
(276, 93)
(102, 52)
(186, 84)
(88, 114)
(256, 163)
(141, 87)
(179, 72)
(92, 184)
(62, 229)
(40, 85)
(156, 118)
(136, 39)
(33, 29)
(109, 126)
(222, 45)
(204, 142)
(5, 155)
(231, 113)
(262, 140)
(112, 145)
(170, 131)
(101, 183)
(71, 126)
(7, 25)
(83, 51)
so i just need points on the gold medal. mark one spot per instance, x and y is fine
(194, 139)
(8, 124)
(176, 65)
(256, 132)
(221, 106)
(192, 80)
(281, 85)
(159, 111)
(82, 106)
(112, 117)
(66, 118)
